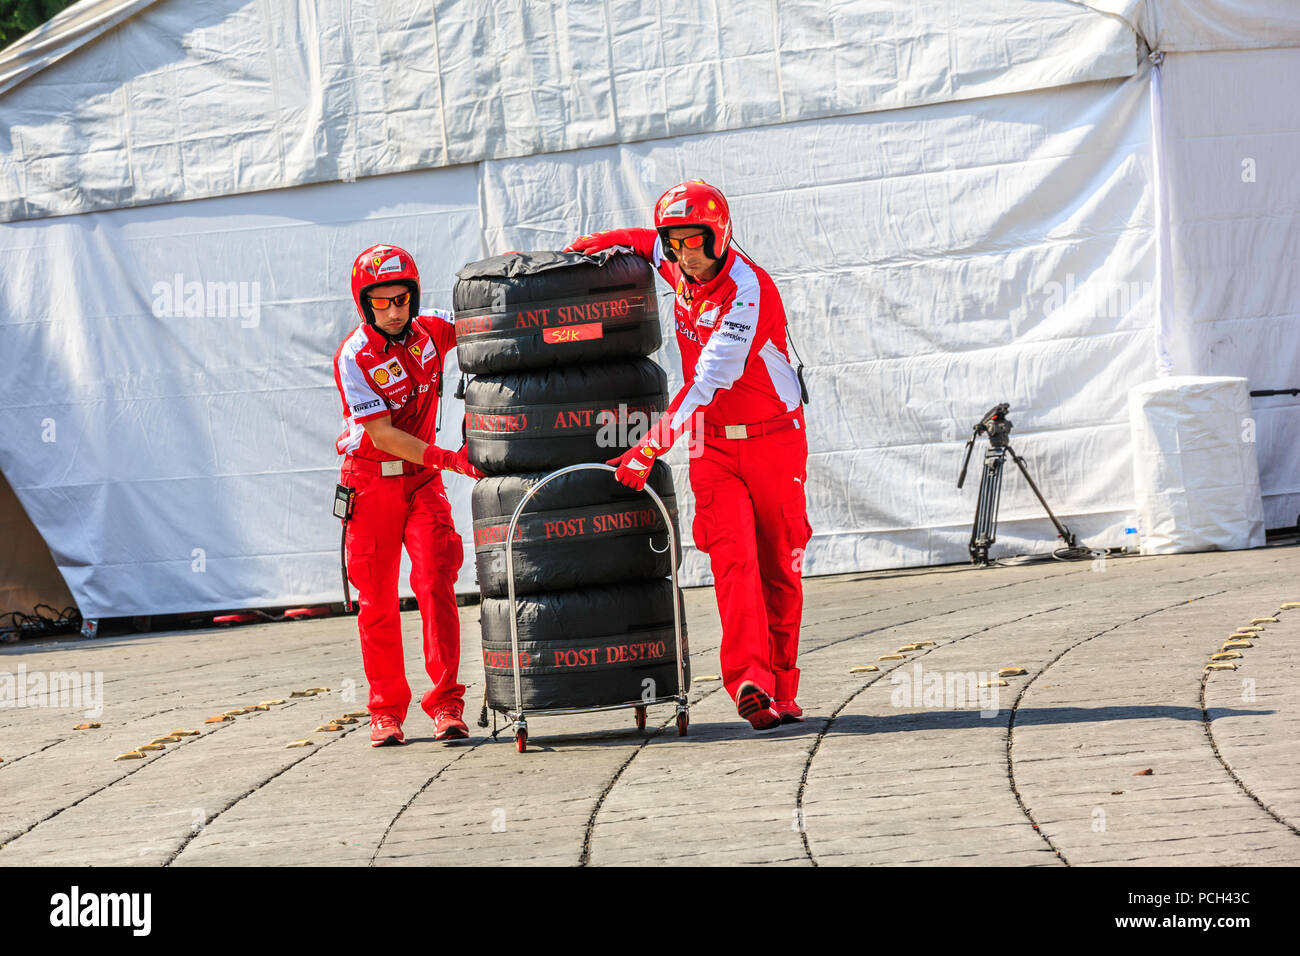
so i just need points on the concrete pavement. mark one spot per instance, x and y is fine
(913, 763)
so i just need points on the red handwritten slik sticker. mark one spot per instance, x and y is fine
(573, 333)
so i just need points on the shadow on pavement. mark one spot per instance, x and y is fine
(539, 739)
(1025, 716)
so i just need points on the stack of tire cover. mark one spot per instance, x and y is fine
(558, 345)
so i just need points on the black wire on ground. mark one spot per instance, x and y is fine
(1078, 553)
(1060, 554)
(39, 624)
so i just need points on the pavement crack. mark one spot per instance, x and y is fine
(821, 734)
(924, 617)
(1208, 725)
(194, 832)
(4, 842)
(14, 760)
(584, 858)
(415, 796)
(1011, 724)
(7, 840)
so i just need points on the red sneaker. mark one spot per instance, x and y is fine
(789, 711)
(385, 730)
(448, 725)
(756, 707)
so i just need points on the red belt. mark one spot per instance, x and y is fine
(368, 466)
(781, 423)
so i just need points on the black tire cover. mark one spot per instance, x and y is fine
(547, 419)
(542, 309)
(581, 529)
(585, 648)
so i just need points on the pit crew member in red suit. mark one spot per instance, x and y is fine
(749, 447)
(388, 372)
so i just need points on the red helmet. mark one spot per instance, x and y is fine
(384, 265)
(695, 203)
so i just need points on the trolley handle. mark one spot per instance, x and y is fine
(510, 574)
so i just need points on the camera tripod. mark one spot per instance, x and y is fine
(996, 425)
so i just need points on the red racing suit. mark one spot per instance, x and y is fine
(398, 502)
(748, 459)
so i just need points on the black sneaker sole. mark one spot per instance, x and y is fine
(753, 702)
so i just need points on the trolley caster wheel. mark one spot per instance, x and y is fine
(640, 718)
(683, 721)
(521, 740)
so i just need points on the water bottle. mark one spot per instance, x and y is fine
(1132, 541)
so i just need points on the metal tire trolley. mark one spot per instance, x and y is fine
(518, 716)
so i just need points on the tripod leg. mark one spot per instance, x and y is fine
(1061, 529)
(985, 530)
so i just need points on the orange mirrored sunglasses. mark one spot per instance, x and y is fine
(688, 242)
(381, 303)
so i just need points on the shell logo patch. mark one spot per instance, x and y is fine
(391, 372)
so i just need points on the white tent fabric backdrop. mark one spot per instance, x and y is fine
(1232, 133)
(67, 32)
(173, 439)
(1182, 26)
(189, 100)
(958, 213)
(934, 262)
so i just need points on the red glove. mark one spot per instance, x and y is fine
(634, 464)
(599, 241)
(457, 461)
